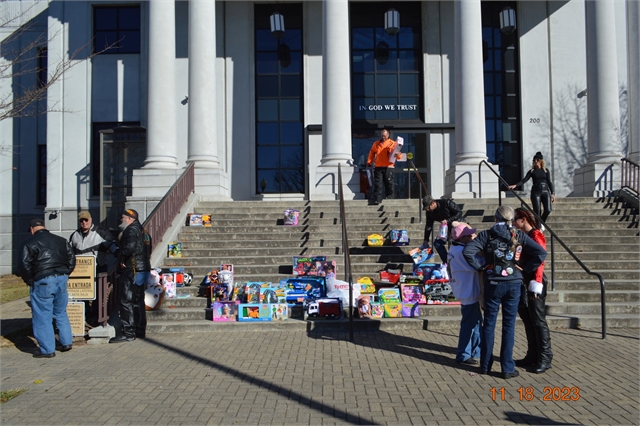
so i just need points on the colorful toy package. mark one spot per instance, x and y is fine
(237, 294)
(399, 237)
(392, 310)
(195, 219)
(248, 312)
(390, 276)
(308, 265)
(421, 255)
(375, 240)
(169, 284)
(252, 291)
(425, 270)
(225, 275)
(206, 220)
(174, 249)
(366, 285)
(377, 310)
(279, 311)
(325, 307)
(388, 295)
(299, 289)
(410, 310)
(268, 295)
(225, 311)
(291, 217)
(410, 279)
(439, 292)
(412, 293)
(220, 293)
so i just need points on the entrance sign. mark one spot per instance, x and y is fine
(82, 281)
(75, 311)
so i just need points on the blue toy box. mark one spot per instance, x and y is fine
(250, 312)
(399, 237)
(299, 289)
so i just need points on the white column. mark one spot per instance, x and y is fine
(336, 105)
(633, 77)
(202, 149)
(336, 83)
(462, 180)
(601, 173)
(161, 118)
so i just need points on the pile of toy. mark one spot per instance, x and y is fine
(164, 284)
(306, 293)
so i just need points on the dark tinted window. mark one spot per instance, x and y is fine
(116, 29)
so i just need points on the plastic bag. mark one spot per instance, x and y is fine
(444, 230)
(340, 290)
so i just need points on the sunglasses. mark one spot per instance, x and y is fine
(84, 220)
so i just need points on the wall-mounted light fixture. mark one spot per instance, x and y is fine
(277, 25)
(507, 20)
(582, 94)
(392, 21)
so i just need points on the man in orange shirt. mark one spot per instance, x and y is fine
(383, 173)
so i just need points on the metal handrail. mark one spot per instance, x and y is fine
(346, 250)
(166, 210)
(156, 225)
(630, 176)
(553, 235)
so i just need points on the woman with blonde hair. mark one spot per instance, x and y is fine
(542, 189)
(502, 246)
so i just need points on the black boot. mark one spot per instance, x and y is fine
(532, 352)
(543, 338)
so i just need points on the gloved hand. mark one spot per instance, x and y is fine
(535, 287)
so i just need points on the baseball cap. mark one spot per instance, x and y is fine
(84, 215)
(131, 213)
(36, 222)
(462, 230)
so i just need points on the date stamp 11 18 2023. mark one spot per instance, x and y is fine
(528, 393)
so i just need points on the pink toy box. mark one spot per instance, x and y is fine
(225, 311)
(291, 217)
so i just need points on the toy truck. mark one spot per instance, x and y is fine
(323, 308)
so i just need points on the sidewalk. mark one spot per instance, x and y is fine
(298, 377)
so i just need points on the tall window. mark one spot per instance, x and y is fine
(95, 150)
(41, 190)
(386, 70)
(117, 29)
(502, 92)
(280, 156)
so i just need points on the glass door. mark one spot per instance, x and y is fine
(415, 148)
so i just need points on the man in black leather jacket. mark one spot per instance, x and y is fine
(438, 211)
(46, 260)
(134, 266)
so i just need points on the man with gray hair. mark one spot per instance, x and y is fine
(134, 267)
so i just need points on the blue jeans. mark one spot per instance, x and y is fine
(470, 330)
(440, 247)
(507, 294)
(48, 301)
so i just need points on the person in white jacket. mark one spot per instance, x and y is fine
(465, 284)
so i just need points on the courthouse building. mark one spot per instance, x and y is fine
(267, 98)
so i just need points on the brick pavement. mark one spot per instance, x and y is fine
(296, 377)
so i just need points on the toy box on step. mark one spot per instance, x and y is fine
(413, 293)
(194, 219)
(399, 237)
(309, 265)
(328, 308)
(225, 274)
(425, 270)
(392, 310)
(248, 313)
(291, 217)
(377, 310)
(421, 255)
(390, 276)
(300, 289)
(366, 285)
(388, 295)
(410, 310)
(252, 291)
(279, 311)
(375, 240)
(225, 311)
(169, 284)
(174, 250)
(438, 292)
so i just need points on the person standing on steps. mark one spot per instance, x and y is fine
(383, 171)
(503, 246)
(135, 268)
(539, 353)
(46, 260)
(542, 189)
(443, 210)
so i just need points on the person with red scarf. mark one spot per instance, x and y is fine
(539, 353)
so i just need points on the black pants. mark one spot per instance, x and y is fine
(541, 196)
(383, 180)
(132, 312)
(536, 329)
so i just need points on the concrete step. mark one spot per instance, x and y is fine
(591, 308)
(592, 296)
(428, 323)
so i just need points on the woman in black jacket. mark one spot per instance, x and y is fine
(542, 189)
